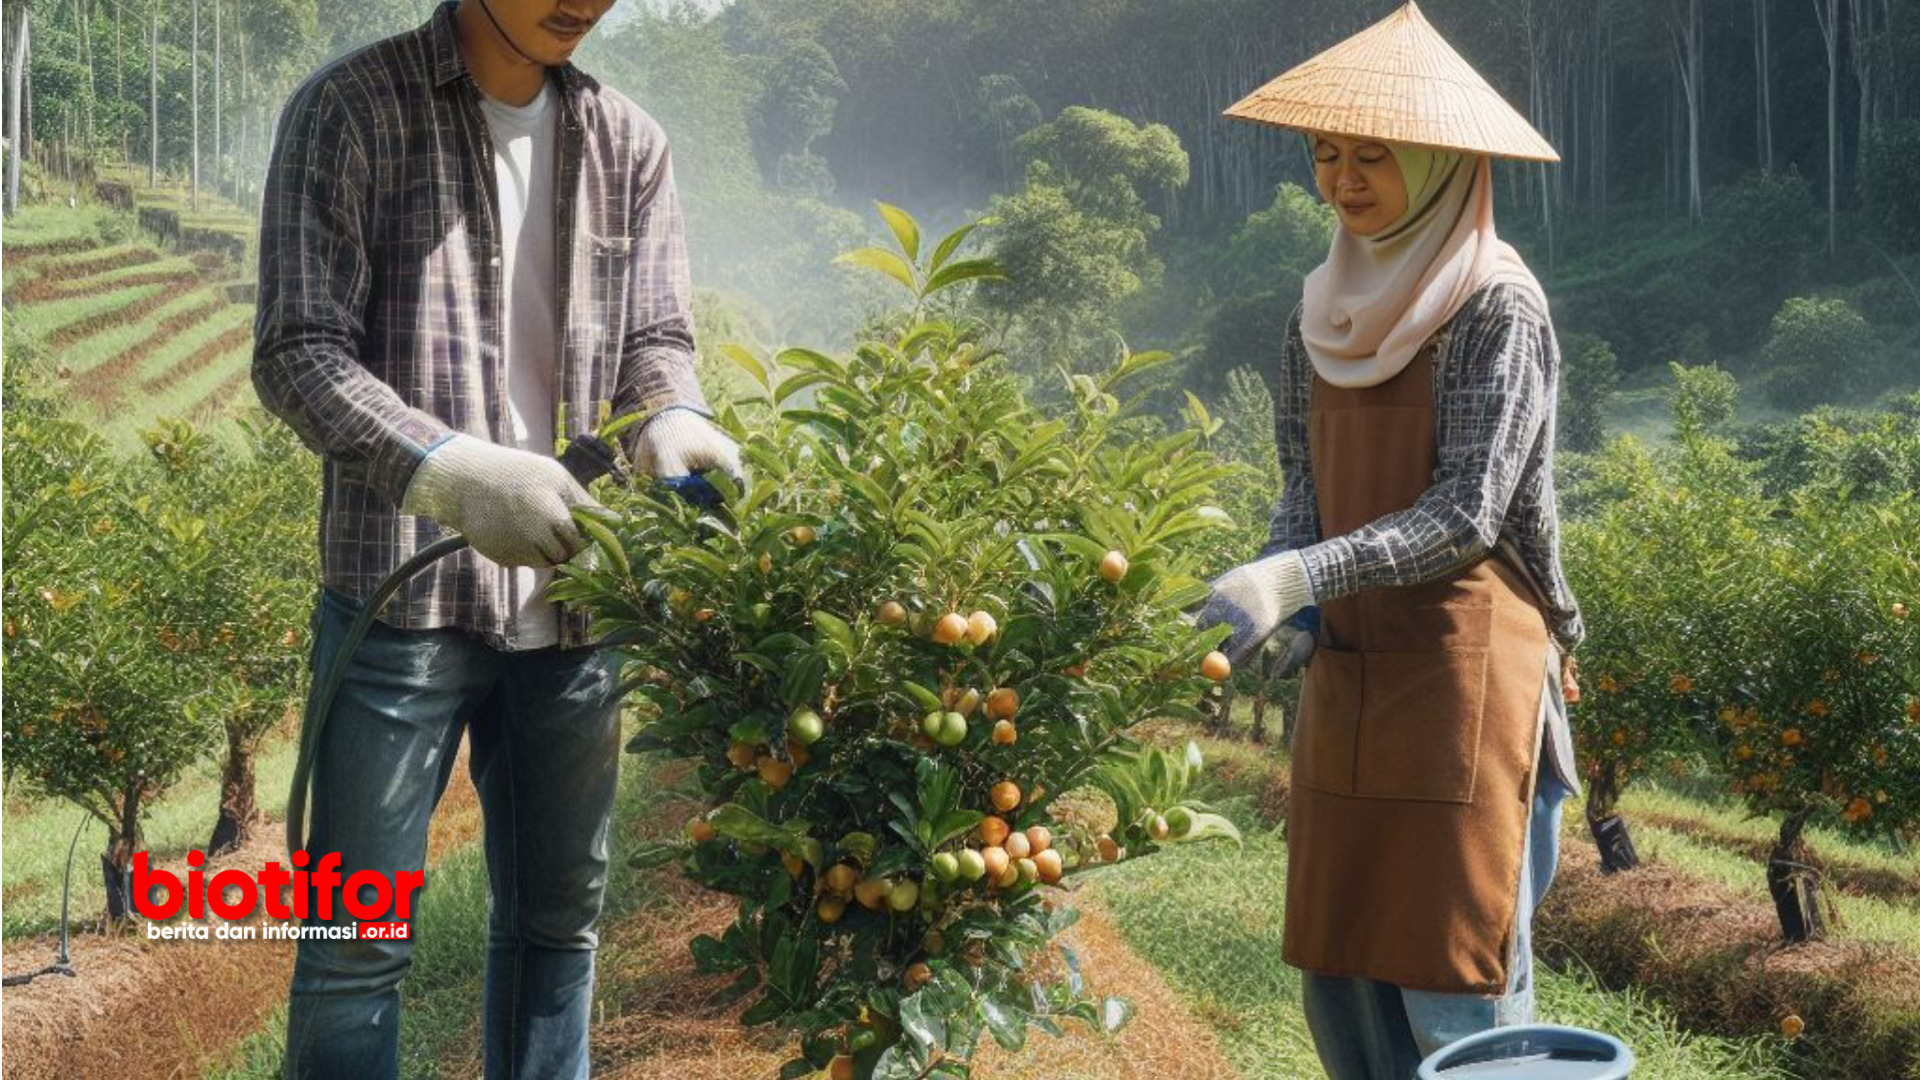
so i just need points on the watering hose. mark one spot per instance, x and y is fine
(588, 458)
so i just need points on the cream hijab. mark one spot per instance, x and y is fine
(1376, 300)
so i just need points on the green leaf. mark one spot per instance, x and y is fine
(1209, 827)
(748, 362)
(886, 262)
(796, 383)
(1007, 1024)
(964, 270)
(765, 1011)
(836, 631)
(905, 230)
(949, 244)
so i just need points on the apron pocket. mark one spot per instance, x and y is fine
(1326, 733)
(1419, 728)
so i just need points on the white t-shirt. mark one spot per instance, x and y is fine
(523, 166)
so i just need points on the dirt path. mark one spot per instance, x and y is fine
(163, 1010)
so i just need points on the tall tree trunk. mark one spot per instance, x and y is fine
(120, 88)
(153, 96)
(239, 811)
(193, 189)
(1828, 12)
(1687, 56)
(217, 171)
(16, 137)
(1763, 82)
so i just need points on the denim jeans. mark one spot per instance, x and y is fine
(544, 728)
(1364, 1029)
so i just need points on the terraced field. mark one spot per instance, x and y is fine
(136, 328)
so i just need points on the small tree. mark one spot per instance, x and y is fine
(1819, 351)
(96, 713)
(1589, 372)
(1703, 399)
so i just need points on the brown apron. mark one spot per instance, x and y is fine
(1418, 729)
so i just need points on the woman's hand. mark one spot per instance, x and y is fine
(1255, 599)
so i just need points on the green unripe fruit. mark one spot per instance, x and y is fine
(972, 865)
(805, 727)
(946, 866)
(904, 895)
(930, 725)
(953, 730)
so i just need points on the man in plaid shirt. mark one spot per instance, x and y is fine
(468, 250)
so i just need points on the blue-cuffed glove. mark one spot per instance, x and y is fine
(679, 441)
(1256, 599)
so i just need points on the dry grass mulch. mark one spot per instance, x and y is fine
(1718, 961)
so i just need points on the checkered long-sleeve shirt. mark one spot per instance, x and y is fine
(1495, 391)
(379, 329)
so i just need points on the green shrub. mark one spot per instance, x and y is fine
(1819, 351)
(897, 644)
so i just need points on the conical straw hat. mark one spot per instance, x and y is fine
(1397, 81)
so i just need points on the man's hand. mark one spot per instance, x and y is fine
(511, 504)
(680, 442)
(1255, 599)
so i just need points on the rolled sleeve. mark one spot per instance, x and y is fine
(657, 354)
(309, 329)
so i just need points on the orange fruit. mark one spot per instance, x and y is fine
(1109, 849)
(892, 613)
(1113, 567)
(1018, 846)
(997, 861)
(793, 864)
(981, 627)
(1005, 795)
(1003, 702)
(705, 614)
(830, 909)
(966, 701)
(1077, 671)
(1008, 877)
(1899, 611)
(775, 773)
(950, 629)
(991, 831)
(841, 1068)
(918, 976)
(743, 755)
(800, 754)
(841, 878)
(1792, 737)
(1791, 1025)
(700, 831)
(1216, 666)
(872, 892)
(1050, 866)
(1004, 733)
(801, 535)
(765, 562)
(1040, 837)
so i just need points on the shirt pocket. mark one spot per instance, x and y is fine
(602, 320)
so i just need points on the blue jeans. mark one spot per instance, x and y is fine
(545, 746)
(1364, 1029)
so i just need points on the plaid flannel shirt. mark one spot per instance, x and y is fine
(379, 329)
(1496, 386)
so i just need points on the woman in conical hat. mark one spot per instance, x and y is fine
(1416, 422)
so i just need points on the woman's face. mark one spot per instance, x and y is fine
(1361, 180)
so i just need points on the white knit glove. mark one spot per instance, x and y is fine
(1255, 599)
(679, 442)
(512, 504)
